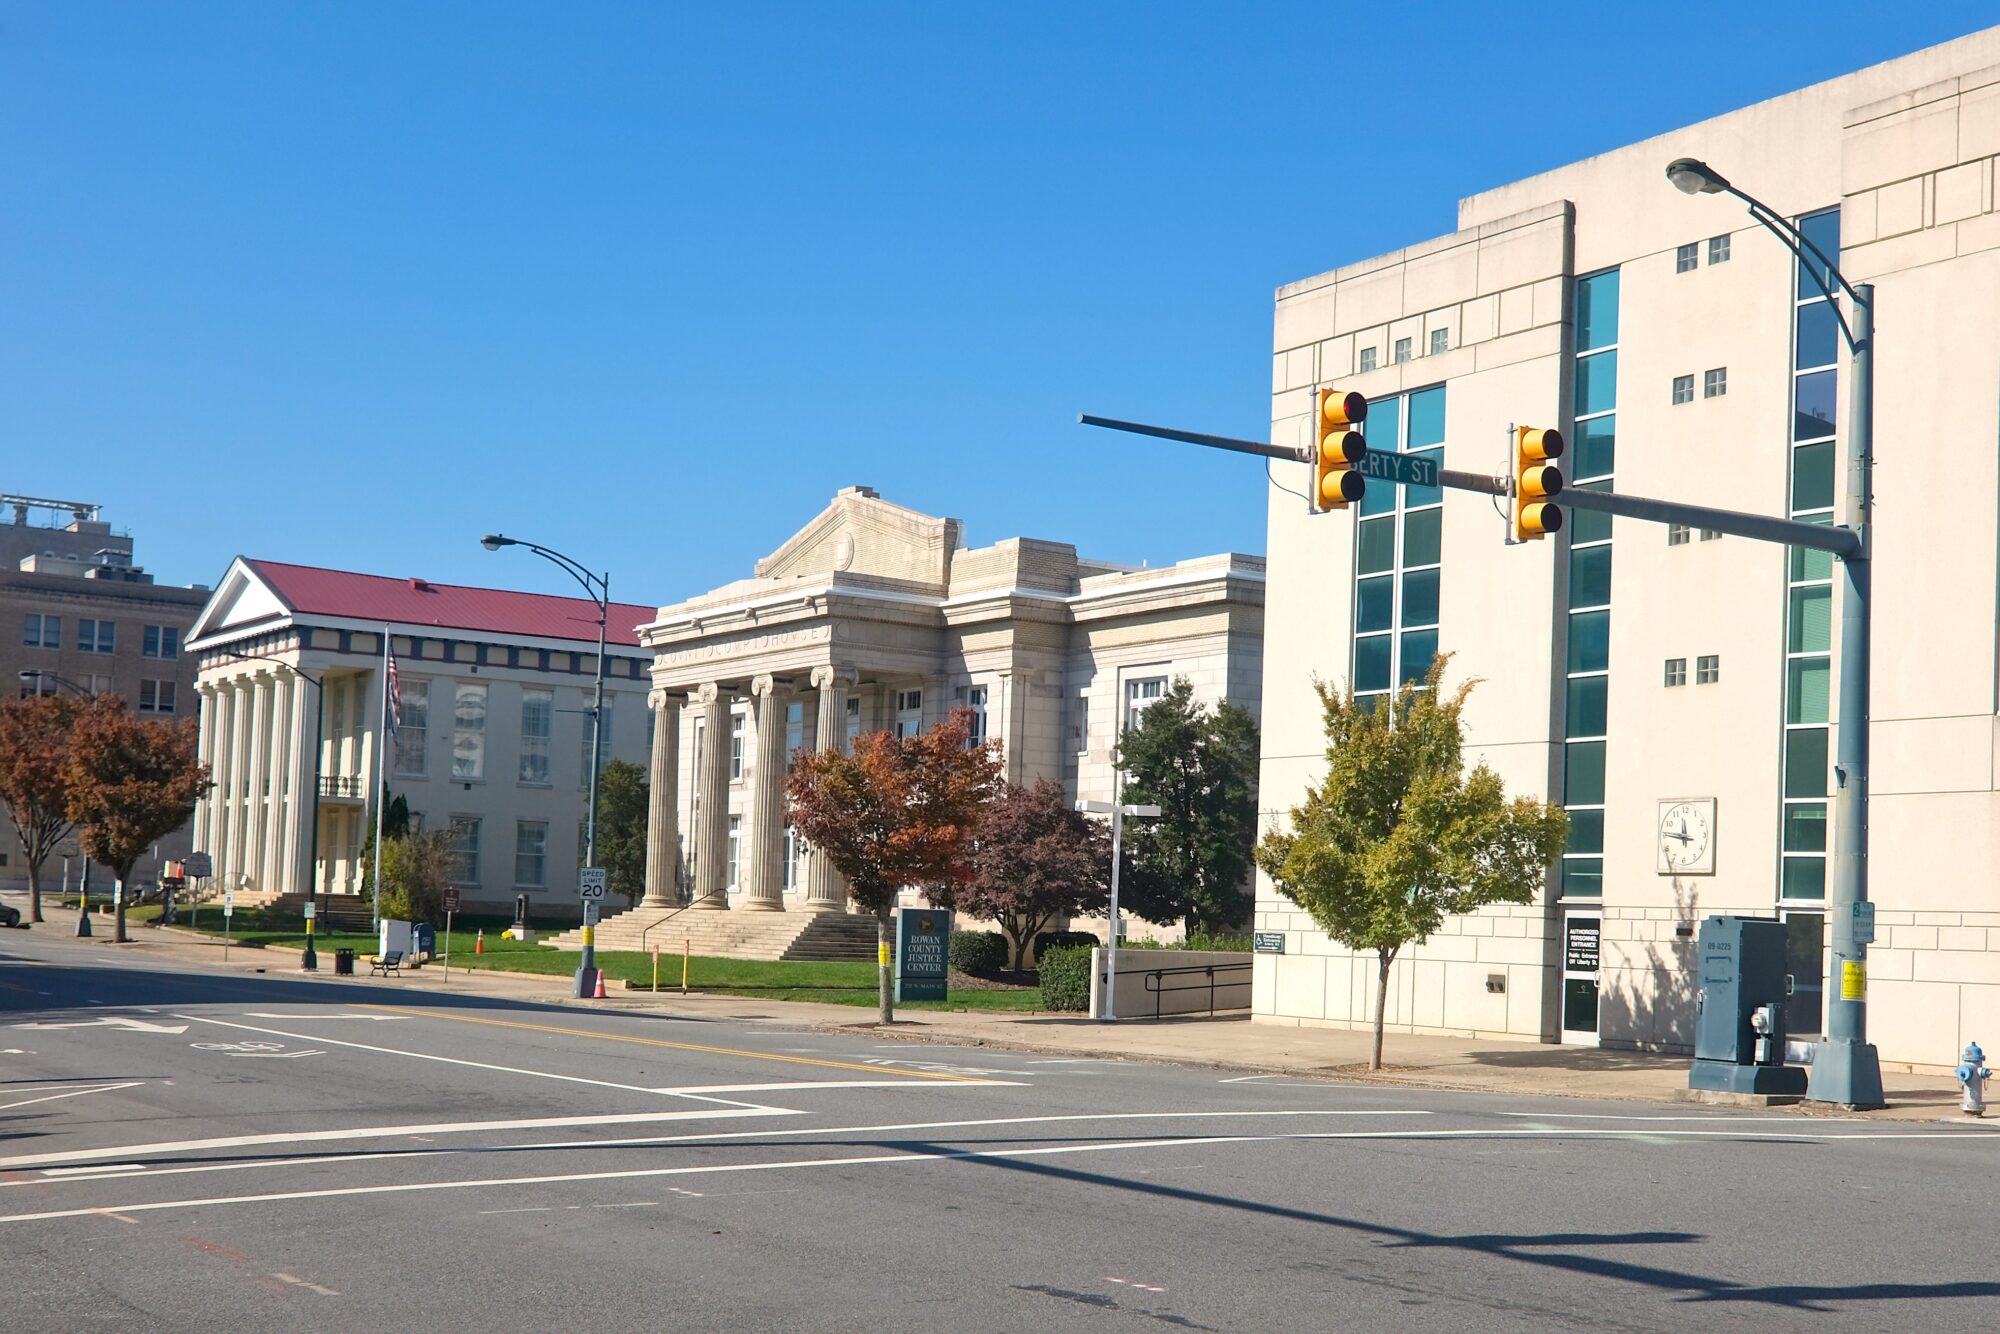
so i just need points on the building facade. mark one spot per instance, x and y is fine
(1672, 688)
(492, 739)
(89, 622)
(877, 617)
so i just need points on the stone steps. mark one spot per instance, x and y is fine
(735, 934)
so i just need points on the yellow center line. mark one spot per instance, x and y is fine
(679, 1046)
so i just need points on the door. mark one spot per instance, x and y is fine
(1579, 978)
(1805, 960)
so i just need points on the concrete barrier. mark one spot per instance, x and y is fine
(1156, 983)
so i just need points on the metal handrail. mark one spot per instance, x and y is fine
(1155, 985)
(722, 894)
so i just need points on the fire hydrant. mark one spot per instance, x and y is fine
(1972, 1076)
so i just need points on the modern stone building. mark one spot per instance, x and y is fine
(493, 742)
(1630, 667)
(90, 622)
(874, 616)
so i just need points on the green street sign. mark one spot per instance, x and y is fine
(1403, 469)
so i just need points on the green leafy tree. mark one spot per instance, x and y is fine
(1398, 835)
(416, 871)
(1199, 766)
(622, 799)
(131, 783)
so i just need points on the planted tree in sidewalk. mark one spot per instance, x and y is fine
(1036, 859)
(622, 799)
(1199, 766)
(893, 812)
(34, 751)
(131, 783)
(1398, 835)
(416, 871)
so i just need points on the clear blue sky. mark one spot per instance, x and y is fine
(351, 284)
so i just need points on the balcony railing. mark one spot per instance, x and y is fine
(336, 785)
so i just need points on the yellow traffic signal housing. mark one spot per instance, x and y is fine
(1338, 447)
(1536, 479)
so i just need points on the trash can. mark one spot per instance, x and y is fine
(343, 963)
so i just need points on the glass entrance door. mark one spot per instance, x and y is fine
(1805, 960)
(1581, 935)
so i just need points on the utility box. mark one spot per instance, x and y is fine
(1739, 1023)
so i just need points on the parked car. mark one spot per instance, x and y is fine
(9, 916)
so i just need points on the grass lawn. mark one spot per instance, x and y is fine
(834, 983)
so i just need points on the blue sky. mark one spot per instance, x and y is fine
(351, 284)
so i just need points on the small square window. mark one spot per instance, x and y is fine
(1677, 534)
(1402, 350)
(1707, 669)
(1683, 389)
(1368, 358)
(1677, 671)
(1687, 257)
(1710, 534)
(1718, 249)
(1440, 341)
(1715, 383)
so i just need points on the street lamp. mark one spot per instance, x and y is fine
(1117, 812)
(1845, 1068)
(37, 676)
(309, 961)
(598, 586)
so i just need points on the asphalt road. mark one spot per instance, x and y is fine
(189, 1150)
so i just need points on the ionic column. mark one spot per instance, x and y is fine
(204, 811)
(300, 800)
(825, 890)
(272, 856)
(663, 830)
(239, 776)
(260, 768)
(221, 696)
(767, 799)
(711, 833)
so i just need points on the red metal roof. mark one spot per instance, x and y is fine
(374, 597)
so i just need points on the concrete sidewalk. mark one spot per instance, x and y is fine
(1233, 1043)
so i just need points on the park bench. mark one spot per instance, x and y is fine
(385, 964)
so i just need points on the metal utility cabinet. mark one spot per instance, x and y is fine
(1739, 1025)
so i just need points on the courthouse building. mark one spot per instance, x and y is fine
(1652, 679)
(493, 744)
(873, 617)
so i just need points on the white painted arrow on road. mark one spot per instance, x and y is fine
(113, 1021)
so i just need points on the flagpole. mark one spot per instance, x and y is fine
(381, 761)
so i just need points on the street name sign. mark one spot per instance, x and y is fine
(1408, 469)
(591, 882)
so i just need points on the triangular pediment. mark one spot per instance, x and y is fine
(860, 533)
(242, 598)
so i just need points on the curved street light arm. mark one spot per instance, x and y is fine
(595, 585)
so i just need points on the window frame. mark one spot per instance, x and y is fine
(1687, 257)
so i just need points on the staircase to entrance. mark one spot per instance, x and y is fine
(734, 934)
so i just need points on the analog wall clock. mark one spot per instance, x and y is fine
(1685, 838)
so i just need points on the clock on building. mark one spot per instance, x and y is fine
(1686, 836)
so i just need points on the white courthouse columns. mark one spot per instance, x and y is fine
(241, 698)
(767, 799)
(711, 831)
(224, 791)
(204, 811)
(260, 769)
(300, 797)
(825, 890)
(283, 687)
(663, 833)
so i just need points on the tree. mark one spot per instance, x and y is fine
(416, 871)
(1036, 859)
(1398, 835)
(34, 746)
(131, 783)
(623, 796)
(1199, 766)
(897, 811)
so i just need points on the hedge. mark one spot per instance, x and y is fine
(1063, 940)
(1065, 975)
(979, 953)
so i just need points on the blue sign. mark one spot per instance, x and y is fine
(1406, 469)
(923, 953)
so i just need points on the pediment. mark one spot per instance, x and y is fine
(860, 533)
(242, 598)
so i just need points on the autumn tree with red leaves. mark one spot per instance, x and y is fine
(1037, 859)
(34, 753)
(895, 812)
(131, 783)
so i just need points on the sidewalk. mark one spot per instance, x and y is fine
(1235, 1043)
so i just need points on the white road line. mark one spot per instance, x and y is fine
(73, 1093)
(377, 1018)
(1245, 1079)
(1713, 1118)
(691, 1089)
(381, 1132)
(101, 1169)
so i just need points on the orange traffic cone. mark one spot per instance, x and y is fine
(599, 993)
(479, 945)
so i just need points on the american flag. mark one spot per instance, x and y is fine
(395, 697)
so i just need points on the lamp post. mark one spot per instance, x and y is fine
(37, 676)
(598, 586)
(309, 961)
(1117, 811)
(1845, 1068)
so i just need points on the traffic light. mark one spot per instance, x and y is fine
(1536, 479)
(1339, 447)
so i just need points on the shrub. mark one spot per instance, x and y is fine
(978, 953)
(1202, 940)
(1065, 973)
(1063, 940)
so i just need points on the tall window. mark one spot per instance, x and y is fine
(1141, 694)
(468, 733)
(975, 699)
(735, 850)
(1807, 741)
(792, 843)
(95, 636)
(162, 641)
(909, 712)
(39, 631)
(538, 716)
(465, 849)
(531, 853)
(604, 751)
(1398, 552)
(1587, 680)
(156, 696)
(736, 726)
(853, 722)
(413, 728)
(795, 731)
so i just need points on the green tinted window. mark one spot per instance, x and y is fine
(1805, 762)
(1584, 714)
(1589, 641)
(1583, 773)
(1421, 534)
(1378, 545)
(1597, 311)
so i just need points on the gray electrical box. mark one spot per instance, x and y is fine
(1739, 1024)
